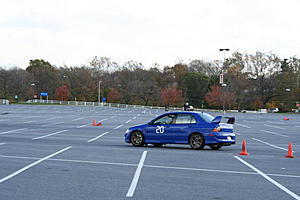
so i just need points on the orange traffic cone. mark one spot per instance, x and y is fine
(290, 152)
(99, 124)
(244, 151)
(94, 123)
(285, 118)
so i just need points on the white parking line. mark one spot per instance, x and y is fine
(28, 122)
(77, 119)
(99, 136)
(12, 131)
(49, 135)
(270, 144)
(275, 122)
(150, 166)
(59, 123)
(292, 194)
(274, 126)
(118, 126)
(282, 135)
(136, 176)
(53, 118)
(134, 118)
(128, 121)
(243, 125)
(83, 125)
(32, 164)
(2, 144)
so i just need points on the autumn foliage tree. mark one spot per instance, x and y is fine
(214, 97)
(171, 96)
(62, 93)
(113, 96)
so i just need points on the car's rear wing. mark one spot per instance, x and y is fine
(218, 119)
(231, 120)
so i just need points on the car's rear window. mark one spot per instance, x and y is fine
(206, 117)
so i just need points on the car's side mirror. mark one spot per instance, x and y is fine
(150, 123)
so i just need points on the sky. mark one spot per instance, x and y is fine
(73, 32)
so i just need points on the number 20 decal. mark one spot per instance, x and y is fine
(160, 129)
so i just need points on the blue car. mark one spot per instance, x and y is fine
(195, 128)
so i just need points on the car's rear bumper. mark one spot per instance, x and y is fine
(222, 137)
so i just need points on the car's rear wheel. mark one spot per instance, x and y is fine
(137, 138)
(215, 146)
(196, 141)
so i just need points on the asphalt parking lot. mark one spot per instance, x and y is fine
(54, 152)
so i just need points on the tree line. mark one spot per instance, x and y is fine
(260, 80)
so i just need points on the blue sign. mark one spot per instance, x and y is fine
(103, 99)
(44, 94)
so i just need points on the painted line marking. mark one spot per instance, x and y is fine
(243, 125)
(274, 126)
(28, 122)
(32, 164)
(292, 194)
(134, 118)
(149, 166)
(118, 126)
(77, 119)
(136, 176)
(49, 135)
(271, 144)
(12, 131)
(84, 125)
(3, 120)
(275, 122)
(2, 144)
(282, 135)
(53, 118)
(128, 121)
(99, 136)
(59, 123)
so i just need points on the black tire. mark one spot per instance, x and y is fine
(196, 141)
(137, 138)
(157, 144)
(215, 146)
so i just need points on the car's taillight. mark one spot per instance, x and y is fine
(217, 129)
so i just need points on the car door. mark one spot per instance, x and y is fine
(157, 129)
(180, 129)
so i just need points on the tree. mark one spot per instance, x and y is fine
(113, 96)
(43, 75)
(62, 93)
(215, 98)
(196, 85)
(171, 96)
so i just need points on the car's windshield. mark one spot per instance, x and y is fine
(206, 117)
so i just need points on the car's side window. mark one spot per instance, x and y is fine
(167, 119)
(185, 119)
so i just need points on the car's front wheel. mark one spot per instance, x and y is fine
(215, 146)
(196, 141)
(137, 139)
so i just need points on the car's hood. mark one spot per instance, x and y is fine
(138, 126)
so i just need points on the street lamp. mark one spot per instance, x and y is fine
(222, 82)
(99, 92)
(32, 84)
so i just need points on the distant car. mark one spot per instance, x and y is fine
(194, 128)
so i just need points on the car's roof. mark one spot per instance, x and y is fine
(177, 112)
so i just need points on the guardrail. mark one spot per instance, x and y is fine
(83, 103)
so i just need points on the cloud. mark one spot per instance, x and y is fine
(72, 32)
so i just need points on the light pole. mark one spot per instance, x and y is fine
(32, 84)
(99, 92)
(222, 83)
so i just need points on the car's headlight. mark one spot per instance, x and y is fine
(127, 131)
